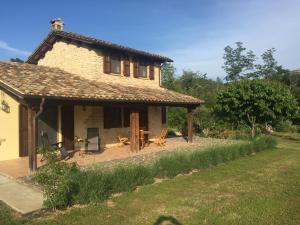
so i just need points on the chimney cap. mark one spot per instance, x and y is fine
(57, 24)
(56, 20)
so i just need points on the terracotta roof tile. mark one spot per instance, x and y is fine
(28, 80)
(51, 38)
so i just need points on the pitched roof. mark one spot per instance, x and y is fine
(28, 81)
(54, 35)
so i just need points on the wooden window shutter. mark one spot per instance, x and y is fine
(106, 64)
(163, 115)
(151, 72)
(159, 75)
(126, 64)
(136, 69)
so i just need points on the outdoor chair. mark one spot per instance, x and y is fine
(160, 140)
(123, 140)
(64, 154)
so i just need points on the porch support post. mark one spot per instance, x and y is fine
(32, 143)
(190, 124)
(32, 140)
(134, 131)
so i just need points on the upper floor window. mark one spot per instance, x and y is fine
(142, 70)
(112, 64)
(115, 64)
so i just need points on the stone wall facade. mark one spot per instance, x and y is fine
(88, 63)
(92, 117)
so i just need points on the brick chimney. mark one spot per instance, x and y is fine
(57, 24)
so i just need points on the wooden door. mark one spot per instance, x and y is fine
(67, 126)
(23, 129)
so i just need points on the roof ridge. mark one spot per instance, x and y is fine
(108, 42)
(92, 40)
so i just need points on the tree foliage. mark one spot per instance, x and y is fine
(269, 66)
(237, 62)
(191, 83)
(198, 85)
(168, 76)
(255, 102)
(256, 93)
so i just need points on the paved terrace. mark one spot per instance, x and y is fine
(18, 168)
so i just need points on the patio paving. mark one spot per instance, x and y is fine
(18, 168)
(20, 197)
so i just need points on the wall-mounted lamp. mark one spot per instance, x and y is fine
(5, 107)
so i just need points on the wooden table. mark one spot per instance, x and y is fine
(143, 140)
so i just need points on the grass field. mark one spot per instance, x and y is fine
(261, 189)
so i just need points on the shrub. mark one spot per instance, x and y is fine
(285, 126)
(184, 162)
(172, 165)
(48, 154)
(59, 187)
(64, 184)
(93, 186)
(200, 160)
(128, 178)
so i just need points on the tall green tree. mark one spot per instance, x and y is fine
(237, 62)
(269, 66)
(269, 69)
(256, 102)
(198, 85)
(292, 80)
(168, 76)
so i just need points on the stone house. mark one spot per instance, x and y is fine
(78, 87)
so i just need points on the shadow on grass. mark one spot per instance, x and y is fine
(160, 220)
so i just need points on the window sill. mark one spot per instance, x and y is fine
(114, 74)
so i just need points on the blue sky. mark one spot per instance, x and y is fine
(193, 33)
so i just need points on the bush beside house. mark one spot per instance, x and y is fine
(66, 184)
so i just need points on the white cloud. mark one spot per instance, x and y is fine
(5, 46)
(261, 25)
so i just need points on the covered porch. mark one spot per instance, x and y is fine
(74, 120)
(18, 168)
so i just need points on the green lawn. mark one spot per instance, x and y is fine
(261, 189)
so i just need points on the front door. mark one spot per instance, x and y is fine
(67, 126)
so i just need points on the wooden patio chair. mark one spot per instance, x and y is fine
(160, 140)
(123, 140)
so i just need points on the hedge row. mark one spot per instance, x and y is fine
(65, 184)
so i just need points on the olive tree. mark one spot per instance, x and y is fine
(255, 102)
